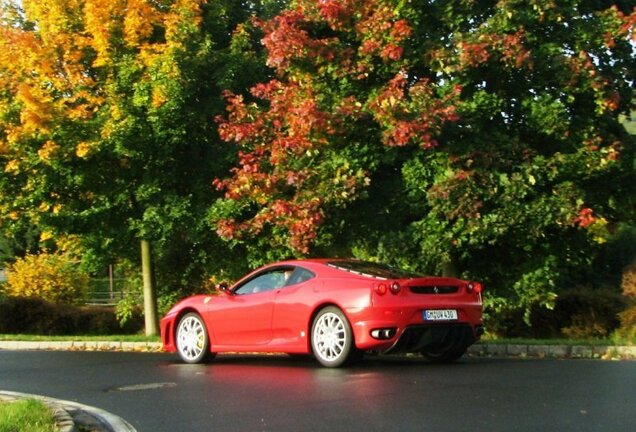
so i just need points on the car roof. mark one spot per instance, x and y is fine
(324, 265)
(315, 264)
(300, 262)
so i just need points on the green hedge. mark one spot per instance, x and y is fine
(36, 316)
(583, 313)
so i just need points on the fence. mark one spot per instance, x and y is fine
(105, 291)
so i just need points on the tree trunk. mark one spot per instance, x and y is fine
(449, 268)
(150, 298)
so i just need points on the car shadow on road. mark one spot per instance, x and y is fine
(306, 361)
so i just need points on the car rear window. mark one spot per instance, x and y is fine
(366, 268)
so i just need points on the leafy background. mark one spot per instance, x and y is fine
(485, 139)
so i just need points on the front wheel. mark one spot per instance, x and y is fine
(192, 340)
(332, 338)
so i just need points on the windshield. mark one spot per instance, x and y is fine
(372, 269)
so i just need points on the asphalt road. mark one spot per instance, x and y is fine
(155, 393)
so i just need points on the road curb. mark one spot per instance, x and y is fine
(554, 351)
(72, 416)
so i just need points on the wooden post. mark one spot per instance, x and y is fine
(449, 268)
(111, 284)
(150, 299)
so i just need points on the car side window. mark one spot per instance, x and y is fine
(267, 281)
(299, 275)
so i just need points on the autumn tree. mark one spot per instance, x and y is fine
(472, 137)
(107, 114)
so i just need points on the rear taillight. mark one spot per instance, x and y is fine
(395, 288)
(381, 289)
(474, 287)
(385, 287)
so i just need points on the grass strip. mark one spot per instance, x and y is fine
(79, 338)
(26, 415)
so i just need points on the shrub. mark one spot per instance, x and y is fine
(36, 316)
(627, 329)
(582, 313)
(52, 277)
(589, 313)
(628, 283)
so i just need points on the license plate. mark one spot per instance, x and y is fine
(440, 315)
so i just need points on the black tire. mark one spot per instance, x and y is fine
(299, 355)
(332, 339)
(444, 353)
(191, 338)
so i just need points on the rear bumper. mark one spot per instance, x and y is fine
(418, 338)
(405, 330)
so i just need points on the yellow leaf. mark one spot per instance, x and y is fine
(158, 97)
(46, 235)
(13, 166)
(139, 21)
(48, 150)
(83, 149)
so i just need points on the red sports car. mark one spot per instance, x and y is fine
(335, 309)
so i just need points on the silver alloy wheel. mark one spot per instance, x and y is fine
(192, 338)
(330, 337)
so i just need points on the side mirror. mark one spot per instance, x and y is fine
(223, 287)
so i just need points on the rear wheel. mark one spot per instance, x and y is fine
(193, 344)
(332, 339)
(444, 353)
